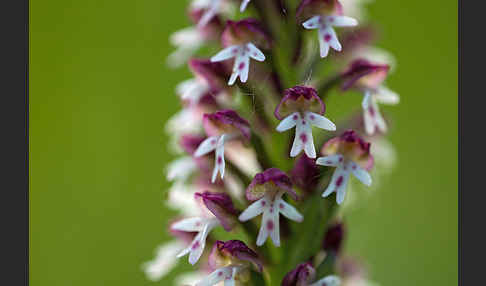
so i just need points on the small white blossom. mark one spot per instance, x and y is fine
(327, 35)
(242, 55)
(373, 120)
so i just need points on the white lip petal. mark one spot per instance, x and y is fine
(289, 211)
(312, 23)
(208, 145)
(386, 96)
(360, 174)
(255, 53)
(331, 160)
(288, 122)
(226, 53)
(341, 21)
(189, 224)
(320, 121)
(254, 209)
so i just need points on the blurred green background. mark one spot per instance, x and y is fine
(100, 93)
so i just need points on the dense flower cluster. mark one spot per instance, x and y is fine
(264, 75)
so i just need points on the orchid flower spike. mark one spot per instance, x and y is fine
(230, 262)
(221, 127)
(301, 108)
(329, 14)
(267, 189)
(367, 77)
(240, 40)
(349, 153)
(221, 212)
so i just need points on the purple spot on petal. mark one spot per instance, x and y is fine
(303, 122)
(195, 245)
(339, 181)
(323, 284)
(295, 117)
(220, 273)
(354, 167)
(331, 19)
(340, 159)
(281, 206)
(220, 160)
(241, 66)
(312, 117)
(328, 162)
(327, 37)
(269, 225)
(303, 137)
(372, 111)
(213, 141)
(263, 203)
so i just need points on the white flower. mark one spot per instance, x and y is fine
(373, 120)
(214, 143)
(187, 41)
(271, 205)
(242, 55)
(164, 261)
(327, 35)
(303, 132)
(202, 226)
(341, 174)
(180, 169)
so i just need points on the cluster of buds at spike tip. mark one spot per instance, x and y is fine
(256, 135)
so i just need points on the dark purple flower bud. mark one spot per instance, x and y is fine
(309, 8)
(302, 275)
(214, 73)
(226, 122)
(363, 73)
(270, 180)
(221, 205)
(246, 31)
(352, 147)
(235, 252)
(305, 173)
(190, 142)
(300, 99)
(333, 238)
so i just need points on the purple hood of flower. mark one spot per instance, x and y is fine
(213, 29)
(268, 180)
(309, 8)
(352, 146)
(244, 31)
(302, 275)
(226, 121)
(190, 142)
(221, 205)
(299, 98)
(353, 39)
(364, 73)
(305, 173)
(234, 250)
(333, 238)
(215, 74)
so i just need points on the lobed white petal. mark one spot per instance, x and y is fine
(386, 96)
(226, 53)
(360, 173)
(289, 211)
(341, 21)
(254, 209)
(192, 224)
(208, 145)
(312, 23)
(331, 160)
(255, 53)
(320, 121)
(330, 280)
(288, 122)
(216, 276)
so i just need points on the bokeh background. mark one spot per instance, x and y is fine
(100, 93)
